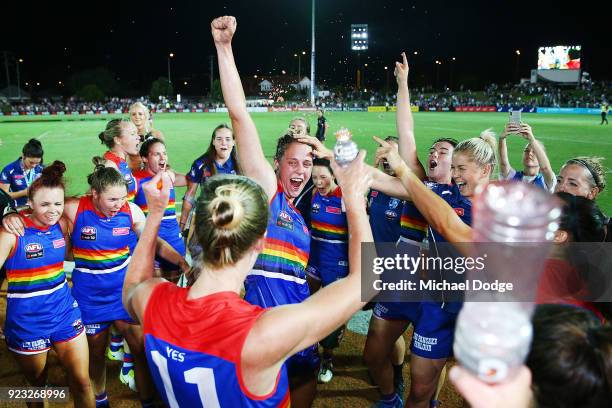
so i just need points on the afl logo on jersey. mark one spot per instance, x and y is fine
(315, 208)
(393, 203)
(88, 233)
(284, 220)
(34, 250)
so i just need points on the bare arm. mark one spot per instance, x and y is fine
(504, 163)
(404, 120)
(545, 167)
(7, 242)
(250, 152)
(139, 282)
(391, 186)
(188, 201)
(14, 194)
(282, 331)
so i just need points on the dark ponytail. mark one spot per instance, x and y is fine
(33, 149)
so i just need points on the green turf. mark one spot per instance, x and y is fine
(188, 135)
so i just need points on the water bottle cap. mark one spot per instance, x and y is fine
(343, 135)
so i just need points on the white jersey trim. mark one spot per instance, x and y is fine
(277, 275)
(38, 293)
(331, 241)
(103, 271)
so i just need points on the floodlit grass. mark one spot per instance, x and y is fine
(75, 141)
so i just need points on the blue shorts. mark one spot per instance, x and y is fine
(177, 243)
(434, 327)
(328, 273)
(304, 363)
(71, 327)
(92, 329)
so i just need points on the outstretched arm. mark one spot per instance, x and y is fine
(139, 282)
(436, 211)
(504, 163)
(549, 175)
(404, 121)
(250, 152)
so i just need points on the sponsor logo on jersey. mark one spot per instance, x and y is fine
(333, 210)
(374, 193)
(59, 243)
(315, 208)
(19, 182)
(391, 215)
(128, 178)
(459, 211)
(88, 233)
(121, 231)
(284, 220)
(18, 176)
(393, 203)
(430, 184)
(92, 328)
(34, 250)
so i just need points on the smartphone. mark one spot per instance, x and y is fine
(515, 117)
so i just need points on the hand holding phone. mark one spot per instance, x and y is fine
(515, 117)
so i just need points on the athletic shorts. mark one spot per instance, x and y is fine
(328, 273)
(305, 363)
(434, 327)
(71, 327)
(92, 329)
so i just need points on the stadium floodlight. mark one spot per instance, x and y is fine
(359, 37)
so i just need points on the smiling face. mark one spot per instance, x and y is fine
(157, 158)
(323, 180)
(138, 116)
(294, 168)
(110, 201)
(47, 206)
(223, 143)
(439, 162)
(576, 180)
(468, 175)
(128, 141)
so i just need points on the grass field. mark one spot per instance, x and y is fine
(188, 135)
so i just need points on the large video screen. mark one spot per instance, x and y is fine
(559, 57)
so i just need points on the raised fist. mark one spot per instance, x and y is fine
(223, 29)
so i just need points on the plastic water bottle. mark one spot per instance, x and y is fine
(345, 149)
(492, 339)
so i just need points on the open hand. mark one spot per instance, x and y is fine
(401, 70)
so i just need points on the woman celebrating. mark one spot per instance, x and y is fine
(235, 352)
(536, 166)
(278, 277)
(141, 118)
(155, 159)
(328, 259)
(19, 175)
(41, 312)
(121, 138)
(104, 229)
(220, 158)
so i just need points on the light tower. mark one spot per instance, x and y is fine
(359, 42)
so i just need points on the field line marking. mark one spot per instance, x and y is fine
(42, 135)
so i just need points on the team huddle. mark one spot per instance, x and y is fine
(243, 298)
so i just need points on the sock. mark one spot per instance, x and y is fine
(128, 363)
(102, 400)
(116, 342)
(389, 397)
(147, 403)
(398, 375)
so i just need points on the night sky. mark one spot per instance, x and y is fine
(133, 39)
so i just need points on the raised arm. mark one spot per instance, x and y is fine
(250, 152)
(504, 163)
(549, 175)
(436, 211)
(404, 121)
(139, 282)
(282, 331)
